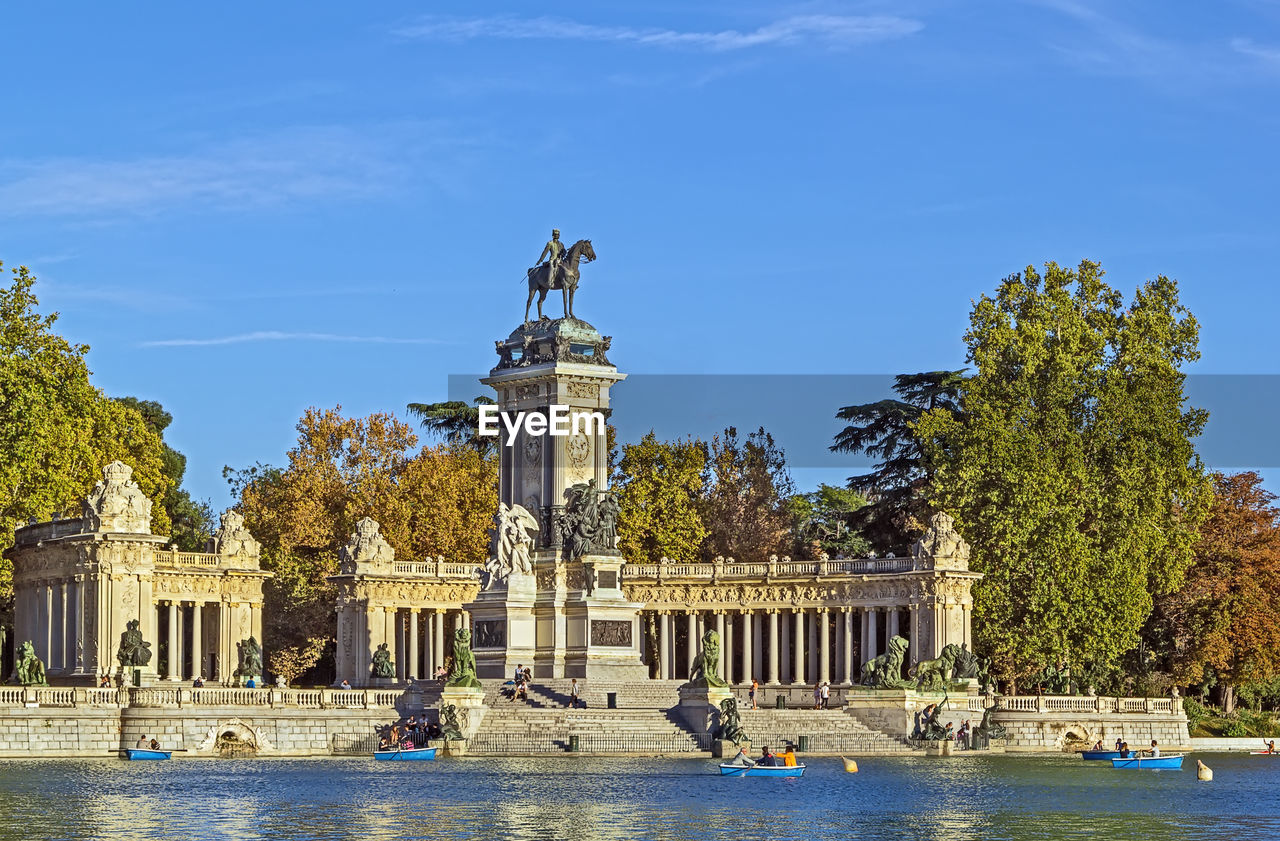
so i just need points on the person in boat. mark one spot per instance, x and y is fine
(789, 756)
(767, 759)
(155, 744)
(1124, 751)
(742, 759)
(1098, 746)
(1271, 745)
(1119, 744)
(143, 743)
(1155, 749)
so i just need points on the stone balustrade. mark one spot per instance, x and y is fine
(167, 697)
(775, 568)
(1087, 704)
(437, 568)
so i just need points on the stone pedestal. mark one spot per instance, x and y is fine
(503, 627)
(602, 639)
(383, 683)
(940, 747)
(725, 749)
(471, 708)
(700, 706)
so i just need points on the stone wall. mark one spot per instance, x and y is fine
(1048, 731)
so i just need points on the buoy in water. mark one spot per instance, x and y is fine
(850, 765)
(1203, 772)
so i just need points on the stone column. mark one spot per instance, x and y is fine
(255, 621)
(175, 657)
(415, 666)
(892, 630)
(390, 621)
(784, 646)
(749, 672)
(691, 642)
(772, 676)
(824, 645)
(725, 641)
(811, 641)
(64, 625)
(847, 628)
(665, 648)
(75, 646)
(873, 629)
(437, 638)
(46, 631)
(798, 675)
(757, 647)
(197, 639)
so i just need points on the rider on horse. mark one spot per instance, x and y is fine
(554, 248)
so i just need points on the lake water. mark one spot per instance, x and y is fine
(981, 797)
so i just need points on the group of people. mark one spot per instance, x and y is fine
(821, 694)
(147, 744)
(409, 734)
(768, 759)
(1122, 747)
(519, 683)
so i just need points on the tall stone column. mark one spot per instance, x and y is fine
(64, 624)
(847, 627)
(197, 639)
(175, 656)
(75, 648)
(437, 637)
(784, 647)
(892, 630)
(691, 643)
(815, 653)
(726, 639)
(824, 645)
(415, 665)
(798, 675)
(667, 647)
(757, 647)
(773, 648)
(46, 631)
(255, 621)
(873, 629)
(389, 633)
(748, 647)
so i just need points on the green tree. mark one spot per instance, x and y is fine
(660, 485)
(191, 521)
(824, 517)
(896, 513)
(1073, 474)
(456, 423)
(745, 506)
(57, 431)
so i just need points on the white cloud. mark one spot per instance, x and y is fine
(279, 336)
(828, 30)
(297, 165)
(1245, 46)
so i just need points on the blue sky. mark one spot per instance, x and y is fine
(250, 209)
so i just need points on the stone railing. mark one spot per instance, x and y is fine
(437, 568)
(773, 568)
(36, 532)
(1087, 704)
(211, 696)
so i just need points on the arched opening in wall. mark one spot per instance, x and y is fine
(1075, 737)
(235, 740)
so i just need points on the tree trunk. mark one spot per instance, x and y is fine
(1227, 697)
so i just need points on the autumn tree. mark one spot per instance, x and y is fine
(895, 512)
(745, 506)
(57, 431)
(433, 501)
(1224, 620)
(660, 486)
(1073, 474)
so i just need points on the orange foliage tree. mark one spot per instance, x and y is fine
(1225, 619)
(429, 501)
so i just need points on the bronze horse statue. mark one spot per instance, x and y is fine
(566, 279)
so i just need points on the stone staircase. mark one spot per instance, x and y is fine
(642, 723)
(818, 731)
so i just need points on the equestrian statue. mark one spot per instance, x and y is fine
(559, 271)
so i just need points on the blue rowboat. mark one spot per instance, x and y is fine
(406, 754)
(1099, 754)
(1172, 762)
(134, 754)
(761, 771)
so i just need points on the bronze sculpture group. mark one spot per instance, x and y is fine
(590, 520)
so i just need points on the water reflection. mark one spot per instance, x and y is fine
(989, 797)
